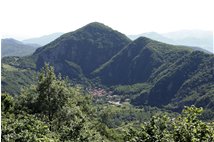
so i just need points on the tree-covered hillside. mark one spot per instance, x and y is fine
(138, 61)
(52, 110)
(142, 72)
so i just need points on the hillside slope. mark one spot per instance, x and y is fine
(12, 47)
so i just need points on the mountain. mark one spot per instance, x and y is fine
(138, 61)
(12, 47)
(153, 72)
(173, 76)
(43, 40)
(80, 52)
(195, 39)
(75, 54)
(165, 75)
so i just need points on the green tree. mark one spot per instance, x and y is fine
(187, 126)
(25, 128)
(7, 103)
(53, 93)
(64, 108)
(20, 126)
(184, 128)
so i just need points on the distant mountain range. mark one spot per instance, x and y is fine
(43, 40)
(196, 39)
(170, 76)
(12, 47)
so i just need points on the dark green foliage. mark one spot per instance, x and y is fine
(21, 127)
(7, 103)
(51, 106)
(52, 92)
(24, 128)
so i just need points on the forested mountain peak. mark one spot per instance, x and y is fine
(94, 31)
(79, 52)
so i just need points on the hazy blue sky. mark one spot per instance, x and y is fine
(31, 18)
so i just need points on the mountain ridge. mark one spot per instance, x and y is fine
(12, 47)
(100, 55)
